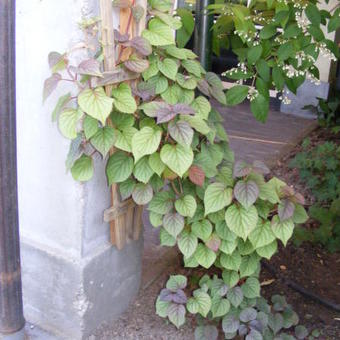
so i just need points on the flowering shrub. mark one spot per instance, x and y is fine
(277, 44)
(172, 154)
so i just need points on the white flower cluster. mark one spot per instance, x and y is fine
(324, 51)
(247, 36)
(241, 68)
(291, 71)
(302, 56)
(280, 40)
(302, 21)
(299, 5)
(252, 93)
(284, 97)
(312, 78)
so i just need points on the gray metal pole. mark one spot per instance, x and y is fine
(203, 33)
(11, 310)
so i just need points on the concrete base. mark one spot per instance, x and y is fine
(20, 335)
(306, 94)
(69, 297)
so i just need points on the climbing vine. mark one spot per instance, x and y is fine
(171, 153)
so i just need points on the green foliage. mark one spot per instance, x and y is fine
(172, 153)
(319, 170)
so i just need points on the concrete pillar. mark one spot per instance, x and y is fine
(73, 279)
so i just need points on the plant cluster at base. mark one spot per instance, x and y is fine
(172, 154)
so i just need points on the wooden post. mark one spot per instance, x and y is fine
(125, 217)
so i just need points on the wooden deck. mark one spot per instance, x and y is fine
(250, 140)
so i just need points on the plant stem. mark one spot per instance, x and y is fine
(174, 188)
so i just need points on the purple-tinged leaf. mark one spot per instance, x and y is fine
(121, 38)
(138, 12)
(213, 243)
(57, 61)
(204, 87)
(287, 191)
(171, 296)
(257, 325)
(286, 209)
(50, 85)
(151, 109)
(89, 67)
(136, 65)
(299, 198)
(248, 314)
(241, 169)
(144, 90)
(260, 168)
(165, 114)
(196, 175)
(117, 76)
(246, 192)
(181, 132)
(140, 44)
(243, 330)
(183, 109)
(214, 80)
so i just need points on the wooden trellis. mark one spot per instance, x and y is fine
(125, 217)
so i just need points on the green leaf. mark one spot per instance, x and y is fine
(103, 140)
(278, 78)
(313, 14)
(197, 123)
(173, 223)
(230, 278)
(176, 314)
(142, 193)
(283, 230)
(176, 282)
(168, 67)
(267, 251)
(237, 94)
(261, 235)
(246, 192)
(219, 306)
(181, 132)
(126, 188)
(142, 170)
(161, 203)
(62, 101)
(124, 101)
(187, 243)
(204, 256)
(156, 220)
(216, 197)
(300, 215)
(82, 169)
(241, 221)
(162, 308)
(187, 82)
(124, 138)
(186, 205)
(68, 121)
(230, 324)
(172, 94)
(145, 142)
(267, 31)
(166, 239)
(193, 67)
(202, 107)
(156, 164)
(260, 107)
(202, 229)
(96, 103)
(206, 332)
(119, 167)
(251, 288)
(285, 51)
(176, 52)
(231, 262)
(177, 157)
(249, 265)
(254, 54)
(235, 296)
(188, 24)
(199, 303)
(90, 126)
(158, 33)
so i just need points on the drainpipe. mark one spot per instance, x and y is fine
(203, 33)
(11, 311)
